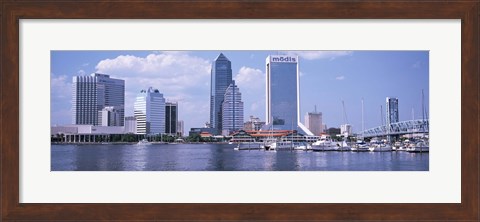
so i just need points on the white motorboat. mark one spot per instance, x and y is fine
(282, 145)
(301, 146)
(144, 142)
(360, 146)
(325, 143)
(377, 146)
(420, 147)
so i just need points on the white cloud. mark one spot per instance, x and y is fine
(313, 55)
(61, 87)
(178, 75)
(81, 72)
(340, 78)
(250, 78)
(251, 83)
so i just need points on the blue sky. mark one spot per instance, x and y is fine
(326, 78)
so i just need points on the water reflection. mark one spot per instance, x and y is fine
(216, 157)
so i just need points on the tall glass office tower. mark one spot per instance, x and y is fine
(283, 99)
(149, 111)
(232, 110)
(171, 118)
(392, 110)
(91, 94)
(221, 78)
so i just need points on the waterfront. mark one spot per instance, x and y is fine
(223, 157)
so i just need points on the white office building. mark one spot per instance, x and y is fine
(346, 129)
(109, 116)
(90, 94)
(149, 111)
(130, 124)
(282, 90)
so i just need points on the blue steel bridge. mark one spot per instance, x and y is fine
(398, 128)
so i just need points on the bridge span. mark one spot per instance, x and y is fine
(398, 128)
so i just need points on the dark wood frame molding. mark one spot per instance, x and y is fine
(12, 11)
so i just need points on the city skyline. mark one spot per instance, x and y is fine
(326, 78)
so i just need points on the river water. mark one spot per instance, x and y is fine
(223, 157)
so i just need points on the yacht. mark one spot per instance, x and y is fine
(325, 143)
(379, 146)
(360, 146)
(282, 145)
(143, 142)
(420, 147)
(301, 146)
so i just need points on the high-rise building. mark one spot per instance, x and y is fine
(282, 90)
(313, 122)
(346, 129)
(221, 78)
(180, 128)
(392, 110)
(108, 116)
(232, 110)
(90, 94)
(130, 124)
(254, 124)
(171, 118)
(392, 114)
(149, 111)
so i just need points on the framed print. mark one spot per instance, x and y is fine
(49, 49)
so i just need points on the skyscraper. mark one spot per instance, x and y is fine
(149, 111)
(232, 110)
(90, 94)
(282, 89)
(392, 114)
(221, 78)
(171, 118)
(392, 110)
(313, 122)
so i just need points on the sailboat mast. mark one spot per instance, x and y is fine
(363, 127)
(423, 114)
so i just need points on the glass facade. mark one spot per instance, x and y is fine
(90, 94)
(283, 94)
(392, 110)
(149, 111)
(221, 78)
(232, 110)
(171, 118)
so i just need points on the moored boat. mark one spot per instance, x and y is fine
(420, 147)
(360, 146)
(144, 142)
(325, 143)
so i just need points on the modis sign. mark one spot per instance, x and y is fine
(288, 59)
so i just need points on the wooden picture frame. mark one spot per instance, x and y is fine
(12, 11)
